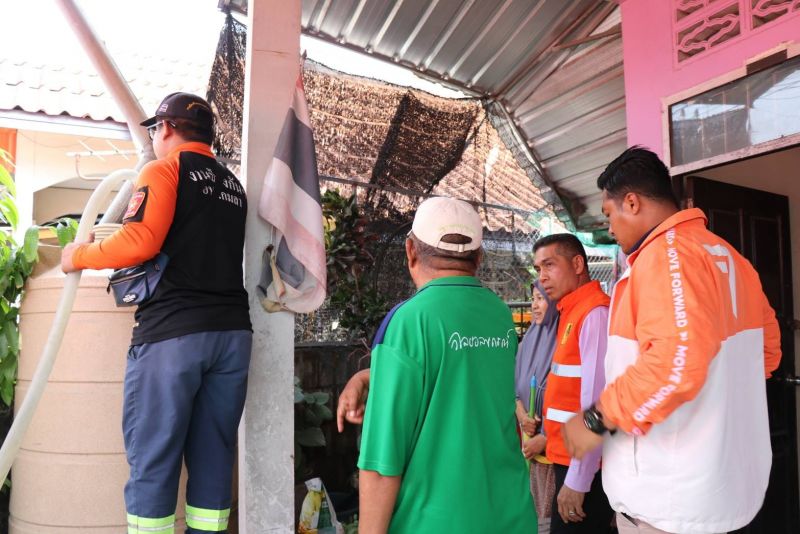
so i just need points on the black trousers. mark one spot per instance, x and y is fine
(595, 506)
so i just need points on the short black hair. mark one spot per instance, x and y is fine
(637, 170)
(192, 130)
(569, 246)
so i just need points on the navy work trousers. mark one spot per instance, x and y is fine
(183, 401)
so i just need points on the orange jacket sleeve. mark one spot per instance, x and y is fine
(146, 222)
(678, 328)
(772, 340)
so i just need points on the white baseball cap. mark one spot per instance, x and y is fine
(438, 216)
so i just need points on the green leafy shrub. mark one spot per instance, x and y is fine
(16, 264)
(348, 244)
(66, 229)
(311, 410)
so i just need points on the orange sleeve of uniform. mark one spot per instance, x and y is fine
(678, 328)
(772, 340)
(145, 225)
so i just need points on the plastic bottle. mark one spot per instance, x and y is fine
(324, 517)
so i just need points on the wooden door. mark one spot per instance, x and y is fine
(756, 223)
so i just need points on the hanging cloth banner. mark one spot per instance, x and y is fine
(293, 274)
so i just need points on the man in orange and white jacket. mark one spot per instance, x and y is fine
(691, 338)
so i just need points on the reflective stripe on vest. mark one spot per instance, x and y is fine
(206, 519)
(567, 371)
(149, 525)
(559, 416)
(563, 393)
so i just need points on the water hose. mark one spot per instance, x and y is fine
(23, 417)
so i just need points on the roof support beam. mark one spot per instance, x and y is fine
(616, 30)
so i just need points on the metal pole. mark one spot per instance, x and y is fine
(120, 92)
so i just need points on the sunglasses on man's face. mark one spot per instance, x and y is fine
(153, 128)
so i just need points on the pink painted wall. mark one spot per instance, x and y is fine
(652, 73)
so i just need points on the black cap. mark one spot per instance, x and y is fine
(183, 106)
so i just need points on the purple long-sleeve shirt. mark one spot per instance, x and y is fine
(592, 342)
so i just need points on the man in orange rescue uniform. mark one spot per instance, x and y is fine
(683, 418)
(186, 374)
(575, 381)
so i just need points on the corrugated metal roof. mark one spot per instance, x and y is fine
(555, 66)
(541, 60)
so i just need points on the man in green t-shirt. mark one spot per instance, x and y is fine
(439, 450)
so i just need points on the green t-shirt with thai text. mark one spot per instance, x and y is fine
(440, 413)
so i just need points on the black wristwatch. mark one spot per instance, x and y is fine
(593, 420)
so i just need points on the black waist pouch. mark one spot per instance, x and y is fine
(134, 285)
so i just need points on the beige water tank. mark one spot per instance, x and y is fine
(71, 469)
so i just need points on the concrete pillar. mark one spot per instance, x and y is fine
(266, 437)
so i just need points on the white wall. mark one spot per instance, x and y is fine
(57, 201)
(776, 173)
(44, 157)
(48, 183)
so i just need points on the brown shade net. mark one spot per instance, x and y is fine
(392, 147)
(424, 143)
(406, 144)
(226, 88)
